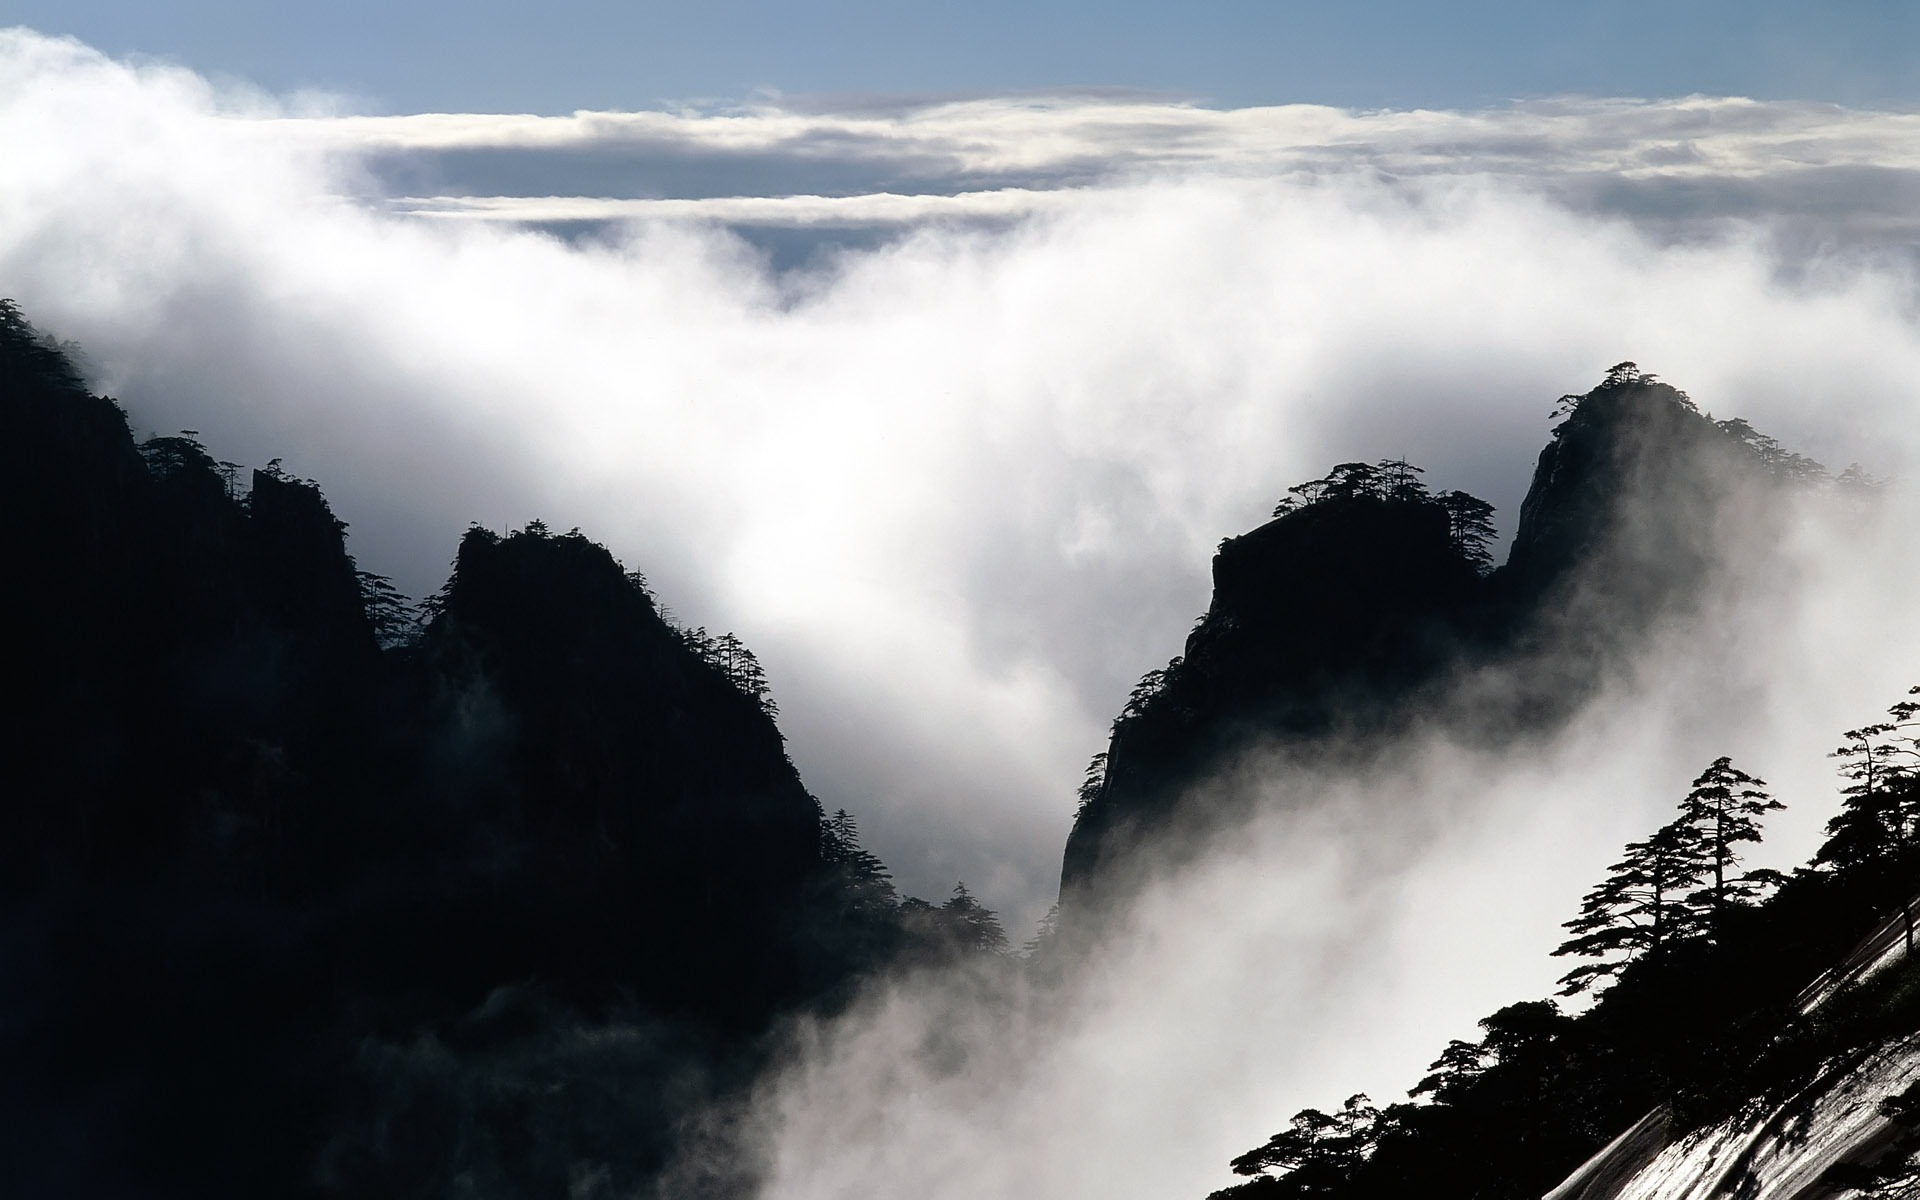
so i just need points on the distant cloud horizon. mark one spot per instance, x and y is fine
(1671, 166)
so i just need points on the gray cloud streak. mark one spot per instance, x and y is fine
(1670, 165)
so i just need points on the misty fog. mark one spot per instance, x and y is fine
(960, 488)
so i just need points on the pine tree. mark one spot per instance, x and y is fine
(1144, 693)
(1456, 1070)
(1400, 480)
(1301, 495)
(1043, 934)
(1880, 806)
(1469, 528)
(973, 925)
(394, 618)
(700, 642)
(867, 883)
(743, 671)
(1876, 831)
(180, 455)
(1639, 909)
(1720, 813)
(1318, 1152)
(1353, 481)
(1095, 779)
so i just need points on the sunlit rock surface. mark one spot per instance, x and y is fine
(1779, 1152)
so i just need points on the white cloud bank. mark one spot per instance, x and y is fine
(959, 489)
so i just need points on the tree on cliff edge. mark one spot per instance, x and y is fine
(1639, 909)
(1721, 813)
(1469, 528)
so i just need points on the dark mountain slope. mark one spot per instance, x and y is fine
(1318, 618)
(656, 816)
(1358, 611)
(173, 643)
(293, 901)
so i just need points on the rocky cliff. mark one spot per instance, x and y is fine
(260, 843)
(1357, 611)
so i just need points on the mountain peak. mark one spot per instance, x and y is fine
(1355, 607)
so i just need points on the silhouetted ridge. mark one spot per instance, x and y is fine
(652, 795)
(300, 892)
(176, 636)
(187, 673)
(1633, 469)
(303, 577)
(1364, 604)
(1316, 615)
(300, 895)
(81, 609)
(1726, 997)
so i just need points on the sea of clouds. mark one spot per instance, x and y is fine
(956, 467)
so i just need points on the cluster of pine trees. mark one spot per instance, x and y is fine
(400, 621)
(898, 927)
(1697, 966)
(1396, 481)
(1678, 884)
(1783, 464)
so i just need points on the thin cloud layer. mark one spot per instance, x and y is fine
(879, 208)
(1052, 136)
(959, 488)
(1672, 163)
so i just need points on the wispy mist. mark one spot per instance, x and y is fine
(1335, 941)
(959, 489)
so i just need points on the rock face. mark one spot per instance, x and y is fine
(244, 848)
(1358, 613)
(174, 642)
(1852, 1127)
(1326, 616)
(1823, 1141)
(660, 819)
(1631, 498)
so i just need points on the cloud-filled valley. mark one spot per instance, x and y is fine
(959, 483)
(960, 488)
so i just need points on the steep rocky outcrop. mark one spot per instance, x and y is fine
(1344, 619)
(660, 826)
(1321, 620)
(268, 889)
(175, 639)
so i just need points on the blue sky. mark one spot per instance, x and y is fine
(488, 56)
